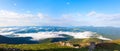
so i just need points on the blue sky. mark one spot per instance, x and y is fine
(60, 12)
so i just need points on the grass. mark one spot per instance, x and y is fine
(115, 46)
(33, 46)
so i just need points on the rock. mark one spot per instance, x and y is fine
(61, 43)
(65, 44)
(68, 44)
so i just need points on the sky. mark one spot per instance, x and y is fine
(60, 13)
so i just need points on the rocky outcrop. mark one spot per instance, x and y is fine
(69, 44)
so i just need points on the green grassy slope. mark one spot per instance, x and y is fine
(109, 46)
(40, 47)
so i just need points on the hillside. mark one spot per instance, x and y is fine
(107, 46)
(16, 40)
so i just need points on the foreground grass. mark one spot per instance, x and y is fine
(40, 47)
(115, 46)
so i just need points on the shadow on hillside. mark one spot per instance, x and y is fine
(16, 40)
(108, 47)
(27, 40)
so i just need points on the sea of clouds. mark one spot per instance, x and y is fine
(76, 35)
(11, 32)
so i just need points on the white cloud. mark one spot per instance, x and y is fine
(103, 15)
(102, 19)
(67, 19)
(10, 18)
(41, 16)
(92, 13)
(10, 14)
